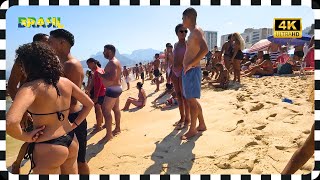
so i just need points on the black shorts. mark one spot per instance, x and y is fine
(113, 93)
(81, 133)
(300, 54)
(100, 100)
(142, 75)
(239, 55)
(92, 93)
(156, 72)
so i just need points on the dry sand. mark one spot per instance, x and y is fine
(249, 131)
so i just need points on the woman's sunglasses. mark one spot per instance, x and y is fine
(184, 31)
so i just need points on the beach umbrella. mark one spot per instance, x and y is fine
(291, 41)
(261, 45)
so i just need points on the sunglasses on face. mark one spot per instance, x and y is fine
(183, 31)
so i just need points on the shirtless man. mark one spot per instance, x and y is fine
(156, 71)
(62, 40)
(111, 80)
(126, 76)
(141, 70)
(17, 77)
(137, 71)
(191, 78)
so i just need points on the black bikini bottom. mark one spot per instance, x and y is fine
(64, 140)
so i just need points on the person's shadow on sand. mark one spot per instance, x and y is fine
(94, 149)
(172, 157)
(151, 94)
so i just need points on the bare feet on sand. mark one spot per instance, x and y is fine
(106, 139)
(201, 128)
(96, 129)
(189, 134)
(116, 132)
(15, 168)
(182, 125)
(178, 122)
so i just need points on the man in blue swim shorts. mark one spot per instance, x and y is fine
(191, 77)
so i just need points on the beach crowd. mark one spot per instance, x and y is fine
(52, 102)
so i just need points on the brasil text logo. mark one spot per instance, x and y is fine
(49, 22)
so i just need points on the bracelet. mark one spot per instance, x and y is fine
(75, 123)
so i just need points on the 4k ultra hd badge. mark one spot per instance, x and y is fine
(287, 28)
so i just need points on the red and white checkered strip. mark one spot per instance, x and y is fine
(5, 6)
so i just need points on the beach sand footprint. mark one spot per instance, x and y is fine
(256, 107)
(260, 127)
(231, 125)
(272, 115)
(270, 102)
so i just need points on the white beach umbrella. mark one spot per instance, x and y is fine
(262, 45)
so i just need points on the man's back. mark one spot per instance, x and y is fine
(16, 77)
(74, 72)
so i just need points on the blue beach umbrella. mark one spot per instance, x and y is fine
(291, 41)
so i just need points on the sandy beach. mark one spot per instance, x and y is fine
(250, 130)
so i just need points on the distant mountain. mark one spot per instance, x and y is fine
(135, 57)
(103, 61)
(142, 55)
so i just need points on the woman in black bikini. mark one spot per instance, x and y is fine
(226, 50)
(46, 96)
(237, 55)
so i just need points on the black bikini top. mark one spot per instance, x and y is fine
(59, 113)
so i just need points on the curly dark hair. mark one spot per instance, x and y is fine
(39, 61)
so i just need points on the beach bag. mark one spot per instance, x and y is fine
(285, 69)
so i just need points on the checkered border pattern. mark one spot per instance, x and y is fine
(314, 4)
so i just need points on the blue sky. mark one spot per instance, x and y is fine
(131, 28)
